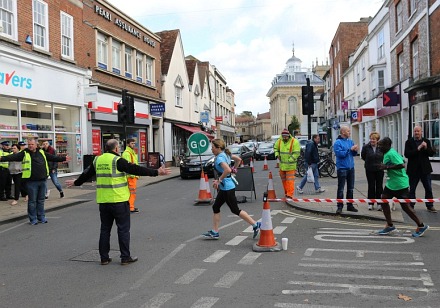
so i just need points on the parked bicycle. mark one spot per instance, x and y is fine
(326, 166)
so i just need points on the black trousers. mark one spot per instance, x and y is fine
(18, 186)
(4, 172)
(375, 184)
(120, 213)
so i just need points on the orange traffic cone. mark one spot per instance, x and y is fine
(203, 194)
(267, 239)
(270, 190)
(251, 164)
(278, 163)
(265, 167)
(208, 189)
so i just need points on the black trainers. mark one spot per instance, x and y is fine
(61, 194)
(106, 261)
(129, 260)
(136, 210)
(352, 209)
(431, 209)
(339, 211)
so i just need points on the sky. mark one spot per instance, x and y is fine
(249, 41)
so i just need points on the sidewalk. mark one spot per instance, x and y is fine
(86, 192)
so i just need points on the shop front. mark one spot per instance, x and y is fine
(43, 99)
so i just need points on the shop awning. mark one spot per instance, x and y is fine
(194, 129)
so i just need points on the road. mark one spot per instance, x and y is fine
(330, 262)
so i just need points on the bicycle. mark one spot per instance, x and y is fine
(326, 166)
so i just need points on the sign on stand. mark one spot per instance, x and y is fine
(198, 143)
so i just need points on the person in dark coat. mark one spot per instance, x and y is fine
(373, 157)
(418, 150)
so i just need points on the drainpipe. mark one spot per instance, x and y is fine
(428, 39)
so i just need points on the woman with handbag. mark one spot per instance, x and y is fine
(311, 160)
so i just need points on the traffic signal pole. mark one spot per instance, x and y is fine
(124, 123)
(309, 116)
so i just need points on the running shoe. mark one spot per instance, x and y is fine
(299, 190)
(420, 231)
(387, 230)
(256, 229)
(211, 234)
(431, 209)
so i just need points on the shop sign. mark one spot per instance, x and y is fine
(204, 116)
(424, 95)
(219, 119)
(157, 108)
(368, 112)
(96, 141)
(354, 116)
(390, 99)
(143, 145)
(15, 80)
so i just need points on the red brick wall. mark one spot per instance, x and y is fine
(434, 29)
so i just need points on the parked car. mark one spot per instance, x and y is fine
(190, 164)
(251, 145)
(265, 149)
(242, 151)
(303, 143)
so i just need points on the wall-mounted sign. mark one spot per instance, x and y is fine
(219, 119)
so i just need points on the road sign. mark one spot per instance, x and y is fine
(198, 143)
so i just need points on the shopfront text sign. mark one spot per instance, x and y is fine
(14, 79)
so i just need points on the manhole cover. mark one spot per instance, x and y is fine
(93, 256)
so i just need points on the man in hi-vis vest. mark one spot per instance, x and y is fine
(130, 155)
(287, 149)
(112, 195)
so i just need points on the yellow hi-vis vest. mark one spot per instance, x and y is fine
(111, 184)
(131, 157)
(288, 153)
(4, 164)
(26, 164)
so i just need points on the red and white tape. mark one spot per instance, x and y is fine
(352, 200)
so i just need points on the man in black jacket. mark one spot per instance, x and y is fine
(418, 150)
(311, 157)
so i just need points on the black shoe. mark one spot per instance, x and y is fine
(10, 198)
(431, 209)
(352, 209)
(129, 260)
(3, 199)
(136, 210)
(339, 211)
(61, 194)
(106, 261)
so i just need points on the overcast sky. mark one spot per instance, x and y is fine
(249, 41)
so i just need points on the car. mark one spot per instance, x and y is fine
(242, 151)
(190, 164)
(251, 145)
(265, 149)
(303, 143)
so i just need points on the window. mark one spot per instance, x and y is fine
(380, 45)
(139, 65)
(41, 35)
(400, 66)
(102, 51)
(292, 104)
(178, 87)
(66, 35)
(128, 63)
(116, 57)
(358, 74)
(415, 59)
(412, 6)
(381, 80)
(8, 18)
(363, 67)
(149, 71)
(399, 16)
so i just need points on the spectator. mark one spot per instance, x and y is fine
(16, 173)
(418, 150)
(311, 159)
(373, 157)
(35, 170)
(345, 150)
(112, 195)
(7, 188)
(53, 170)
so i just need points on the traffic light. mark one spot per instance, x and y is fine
(308, 102)
(122, 113)
(130, 110)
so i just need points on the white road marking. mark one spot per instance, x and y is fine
(363, 267)
(288, 220)
(190, 276)
(216, 256)
(368, 239)
(279, 229)
(158, 300)
(359, 253)
(228, 279)
(425, 278)
(291, 305)
(113, 300)
(249, 258)
(236, 240)
(357, 261)
(205, 302)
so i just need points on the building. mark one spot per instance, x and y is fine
(244, 126)
(262, 126)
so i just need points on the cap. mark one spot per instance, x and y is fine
(5, 143)
(285, 132)
(21, 143)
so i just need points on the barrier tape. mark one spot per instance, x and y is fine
(352, 200)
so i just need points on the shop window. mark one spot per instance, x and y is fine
(41, 23)
(66, 36)
(35, 116)
(8, 114)
(426, 115)
(8, 19)
(102, 42)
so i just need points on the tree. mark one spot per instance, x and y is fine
(246, 114)
(294, 125)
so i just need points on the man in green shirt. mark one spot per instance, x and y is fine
(397, 186)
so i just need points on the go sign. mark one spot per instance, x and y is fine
(198, 143)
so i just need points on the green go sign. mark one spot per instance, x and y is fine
(198, 143)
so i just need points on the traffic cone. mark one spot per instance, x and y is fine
(267, 239)
(265, 167)
(278, 163)
(270, 190)
(208, 189)
(251, 164)
(203, 194)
